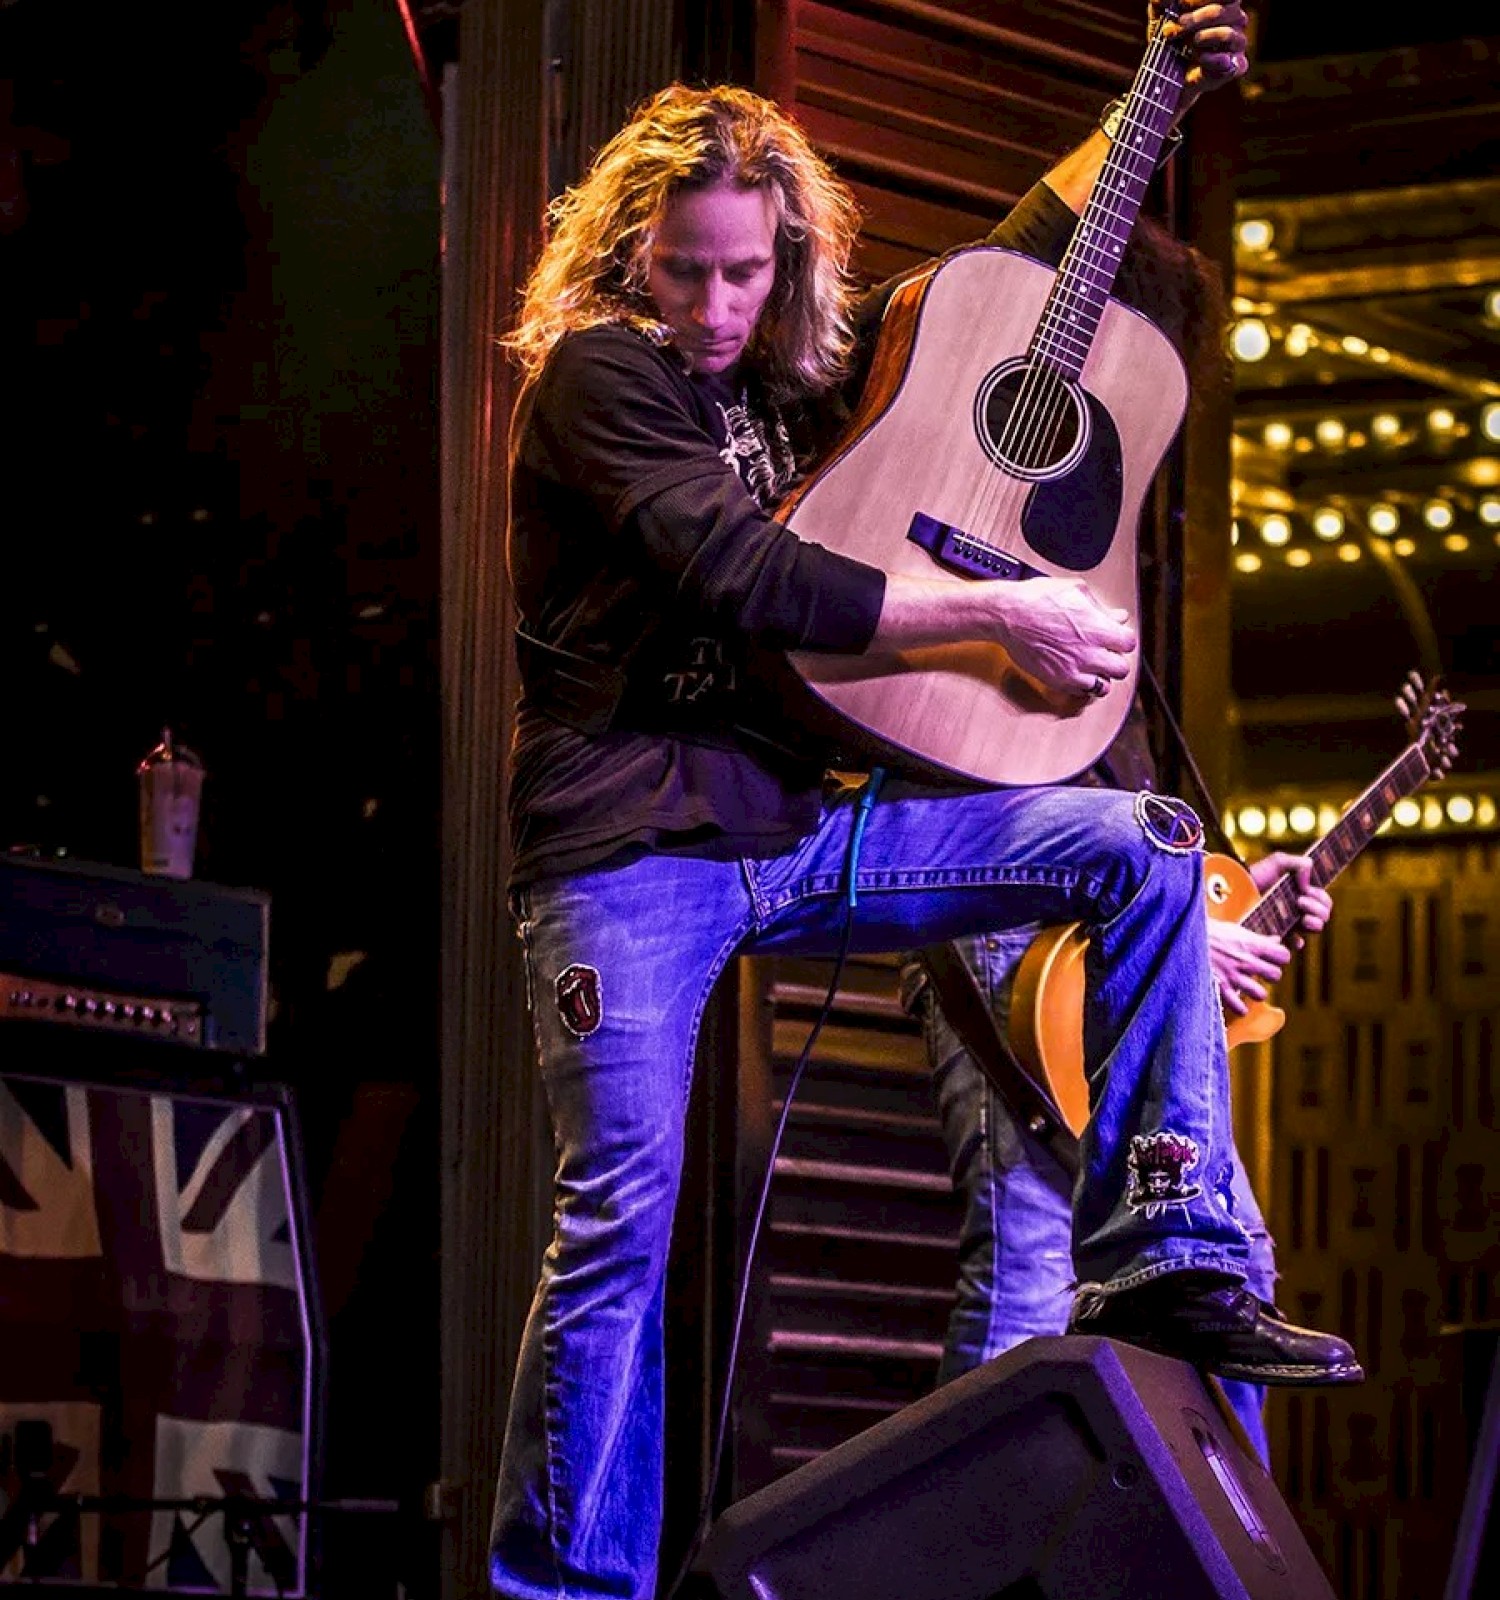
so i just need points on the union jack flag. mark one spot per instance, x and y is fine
(155, 1317)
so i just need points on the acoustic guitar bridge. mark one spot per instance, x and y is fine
(961, 552)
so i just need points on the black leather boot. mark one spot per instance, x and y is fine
(1216, 1323)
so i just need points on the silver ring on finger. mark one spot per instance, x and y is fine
(1099, 686)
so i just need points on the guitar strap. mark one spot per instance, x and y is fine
(970, 1016)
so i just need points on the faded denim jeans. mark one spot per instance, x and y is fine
(621, 961)
(1015, 1266)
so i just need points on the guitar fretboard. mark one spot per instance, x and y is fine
(1275, 912)
(1073, 310)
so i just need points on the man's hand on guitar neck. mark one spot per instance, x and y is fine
(1218, 50)
(1243, 962)
(1217, 40)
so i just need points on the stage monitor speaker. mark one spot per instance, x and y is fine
(1068, 1469)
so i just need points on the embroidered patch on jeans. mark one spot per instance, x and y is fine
(1169, 824)
(579, 1001)
(1158, 1165)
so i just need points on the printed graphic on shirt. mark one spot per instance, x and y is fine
(1170, 824)
(704, 671)
(1158, 1166)
(580, 1002)
(766, 465)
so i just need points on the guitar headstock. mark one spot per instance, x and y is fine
(1432, 720)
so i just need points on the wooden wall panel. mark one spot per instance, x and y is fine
(495, 1149)
(940, 116)
(858, 1261)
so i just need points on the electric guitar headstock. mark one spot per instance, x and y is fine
(1432, 721)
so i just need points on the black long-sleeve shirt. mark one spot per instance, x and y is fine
(651, 579)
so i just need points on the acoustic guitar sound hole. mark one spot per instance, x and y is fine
(1031, 421)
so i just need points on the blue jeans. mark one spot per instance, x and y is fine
(621, 961)
(1015, 1268)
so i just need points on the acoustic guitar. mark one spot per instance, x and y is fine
(1046, 1019)
(1011, 425)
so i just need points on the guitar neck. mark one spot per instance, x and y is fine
(1071, 317)
(1275, 912)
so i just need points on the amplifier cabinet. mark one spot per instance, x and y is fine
(112, 950)
(161, 1337)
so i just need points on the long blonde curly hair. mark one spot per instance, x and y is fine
(593, 268)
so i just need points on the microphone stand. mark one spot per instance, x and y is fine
(242, 1515)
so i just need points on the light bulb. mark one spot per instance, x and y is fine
(1251, 339)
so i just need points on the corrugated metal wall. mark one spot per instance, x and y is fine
(538, 85)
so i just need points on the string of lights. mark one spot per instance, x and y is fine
(1317, 479)
(1456, 514)
(1270, 820)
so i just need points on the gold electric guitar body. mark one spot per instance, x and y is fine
(1046, 1026)
(1046, 1017)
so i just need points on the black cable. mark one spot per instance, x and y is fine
(864, 805)
(1205, 799)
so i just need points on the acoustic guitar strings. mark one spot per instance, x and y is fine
(1101, 204)
(1043, 400)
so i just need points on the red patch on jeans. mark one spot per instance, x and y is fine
(580, 1003)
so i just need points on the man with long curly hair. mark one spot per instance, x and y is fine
(691, 338)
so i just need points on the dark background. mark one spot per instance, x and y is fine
(219, 235)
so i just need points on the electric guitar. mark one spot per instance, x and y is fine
(1011, 425)
(1046, 1020)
